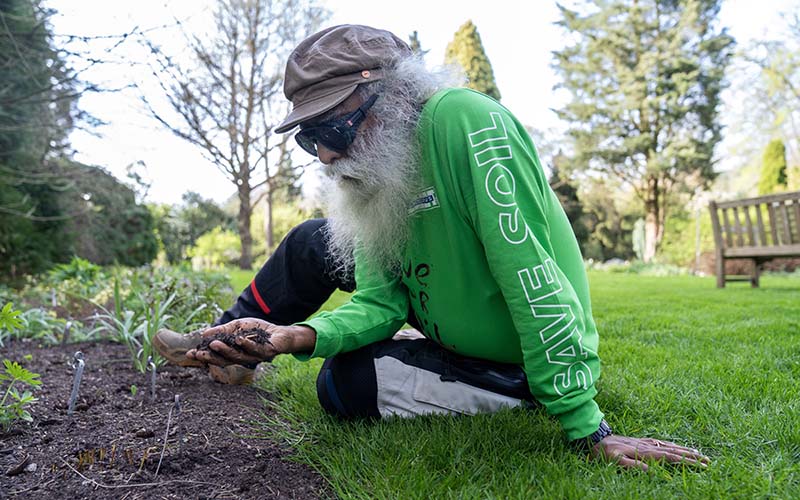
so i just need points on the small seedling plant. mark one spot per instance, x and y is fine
(14, 405)
(136, 327)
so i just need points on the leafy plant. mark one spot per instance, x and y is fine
(77, 268)
(122, 324)
(136, 328)
(9, 321)
(39, 324)
(155, 318)
(215, 249)
(134, 304)
(15, 408)
(79, 296)
(197, 294)
(73, 284)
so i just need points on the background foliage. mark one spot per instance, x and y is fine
(179, 226)
(645, 79)
(773, 168)
(50, 207)
(77, 292)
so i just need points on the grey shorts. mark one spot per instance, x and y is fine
(406, 378)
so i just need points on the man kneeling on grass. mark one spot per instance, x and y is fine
(440, 216)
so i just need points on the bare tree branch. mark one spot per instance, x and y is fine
(215, 101)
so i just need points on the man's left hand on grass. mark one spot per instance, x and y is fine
(630, 452)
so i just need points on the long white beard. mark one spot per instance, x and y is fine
(368, 193)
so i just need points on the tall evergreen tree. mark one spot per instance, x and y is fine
(773, 168)
(37, 100)
(568, 196)
(645, 78)
(466, 50)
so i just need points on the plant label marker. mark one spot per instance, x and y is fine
(76, 383)
(178, 426)
(53, 300)
(152, 367)
(176, 409)
(65, 337)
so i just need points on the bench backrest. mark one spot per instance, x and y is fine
(764, 221)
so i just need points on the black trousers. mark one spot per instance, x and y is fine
(391, 377)
(294, 282)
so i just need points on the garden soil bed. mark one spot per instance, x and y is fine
(111, 446)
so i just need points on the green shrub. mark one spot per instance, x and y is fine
(215, 249)
(39, 323)
(74, 286)
(773, 168)
(78, 269)
(678, 246)
(285, 216)
(197, 300)
(143, 300)
(179, 226)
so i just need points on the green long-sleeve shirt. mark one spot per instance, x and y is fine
(492, 270)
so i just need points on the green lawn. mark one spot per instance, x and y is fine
(715, 369)
(240, 279)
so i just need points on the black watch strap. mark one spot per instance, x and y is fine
(585, 444)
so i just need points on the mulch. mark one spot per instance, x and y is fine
(112, 444)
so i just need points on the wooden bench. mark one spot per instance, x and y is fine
(759, 229)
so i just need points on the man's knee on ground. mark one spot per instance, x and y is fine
(346, 385)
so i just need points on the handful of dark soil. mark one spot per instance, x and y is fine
(254, 334)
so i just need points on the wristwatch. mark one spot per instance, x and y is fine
(586, 443)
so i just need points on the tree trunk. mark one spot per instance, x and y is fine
(652, 220)
(270, 230)
(245, 237)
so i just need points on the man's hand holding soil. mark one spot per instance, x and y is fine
(249, 341)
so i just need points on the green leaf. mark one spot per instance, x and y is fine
(18, 373)
(9, 318)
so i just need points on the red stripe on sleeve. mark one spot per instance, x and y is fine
(263, 305)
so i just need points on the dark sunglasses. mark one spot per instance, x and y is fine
(336, 134)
